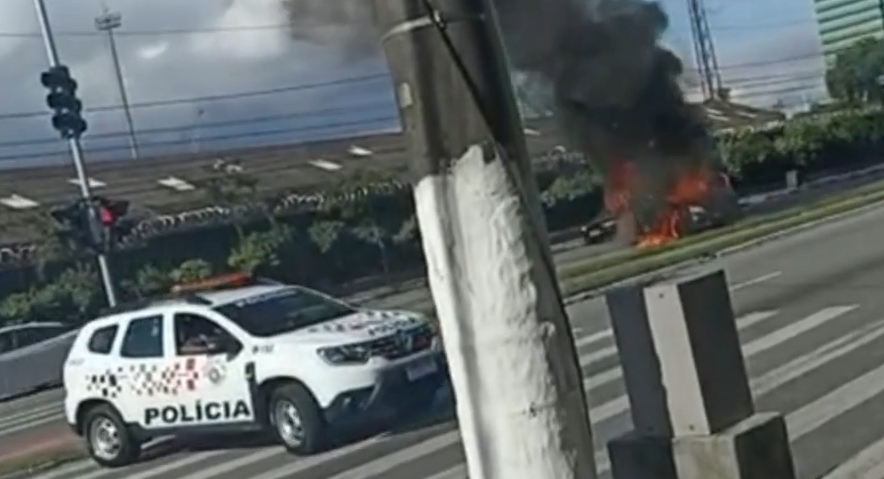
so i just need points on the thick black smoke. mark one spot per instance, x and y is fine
(616, 90)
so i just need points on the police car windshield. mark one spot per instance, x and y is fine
(283, 311)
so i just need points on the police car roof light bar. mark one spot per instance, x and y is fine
(232, 280)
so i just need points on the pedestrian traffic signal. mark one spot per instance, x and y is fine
(62, 99)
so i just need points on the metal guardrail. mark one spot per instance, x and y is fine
(34, 367)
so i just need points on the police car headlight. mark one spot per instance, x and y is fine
(351, 354)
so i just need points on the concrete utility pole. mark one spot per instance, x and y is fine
(107, 22)
(76, 153)
(520, 400)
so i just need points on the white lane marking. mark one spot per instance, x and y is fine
(289, 469)
(824, 354)
(609, 351)
(867, 464)
(839, 401)
(621, 404)
(457, 472)
(157, 470)
(754, 281)
(616, 372)
(796, 368)
(607, 333)
(66, 471)
(594, 337)
(31, 422)
(30, 412)
(170, 466)
(795, 329)
(385, 464)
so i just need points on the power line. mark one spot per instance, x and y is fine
(236, 136)
(299, 87)
(208, 125)
(761, 26)
(159, 32)
(744, 83)
(226, 96)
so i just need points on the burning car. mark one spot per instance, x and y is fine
(602, 229)
(695, 200)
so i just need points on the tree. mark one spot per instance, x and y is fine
(230, 186)
(853, 77)
(47, 246)
(260, 249)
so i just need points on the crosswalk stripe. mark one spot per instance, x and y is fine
(594, 337)
(409, 453)
(391, 461)
(66, 471)
(29, 423)
(457, 472)
(4, 418)
(297, 464)
(620, 404)
(23, 418)
(867, 464)
(234, 464)
(795, 329)
(608, 332)
(843, 399)
(616, 372)
(820, 356)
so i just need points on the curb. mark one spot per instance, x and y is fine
(663, 272)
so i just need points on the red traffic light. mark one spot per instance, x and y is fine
(110, 211)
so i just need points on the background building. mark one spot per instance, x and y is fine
(842, 22)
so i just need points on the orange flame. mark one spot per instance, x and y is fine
(689, 188)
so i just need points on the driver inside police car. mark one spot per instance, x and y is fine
(195, 335)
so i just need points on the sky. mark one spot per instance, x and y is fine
(226, 74)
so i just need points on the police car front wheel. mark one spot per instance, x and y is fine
(110, 442)
(297, 419)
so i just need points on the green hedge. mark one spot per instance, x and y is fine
(357, 231)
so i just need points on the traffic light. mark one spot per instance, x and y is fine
(112, 216)
(74, 226)
(62, 99)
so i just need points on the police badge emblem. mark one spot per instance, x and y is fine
(215, 372)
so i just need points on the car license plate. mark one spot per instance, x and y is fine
(421, 368)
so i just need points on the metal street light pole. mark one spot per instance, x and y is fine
(881, 7)
(76, 152)
(107, 22)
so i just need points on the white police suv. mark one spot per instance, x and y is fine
(223, 354)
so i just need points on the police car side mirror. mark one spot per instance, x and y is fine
(229, 346)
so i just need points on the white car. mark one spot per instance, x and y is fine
(286, 359)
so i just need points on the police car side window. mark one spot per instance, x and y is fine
(144, 338)
(196, 335)
(102, 339)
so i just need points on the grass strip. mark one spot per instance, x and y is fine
(625, 264)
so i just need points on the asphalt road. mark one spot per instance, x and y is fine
(812, 328)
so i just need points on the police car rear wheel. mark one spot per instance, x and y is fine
(297, 419)
(109, 441)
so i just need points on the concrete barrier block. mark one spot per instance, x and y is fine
(681, 357)
(755, 448)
